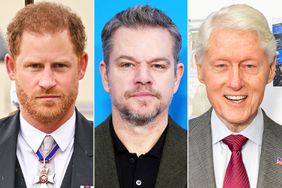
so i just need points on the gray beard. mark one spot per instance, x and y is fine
(137, 119)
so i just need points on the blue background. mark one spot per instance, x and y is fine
(104, 11)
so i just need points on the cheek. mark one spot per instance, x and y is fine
(257, 91)
(257, 83)
(118, 85)
(26, 81)
(165, 86)
(116, 77)
(213, 83)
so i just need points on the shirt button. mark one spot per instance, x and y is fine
(138, 182)
(131, 160)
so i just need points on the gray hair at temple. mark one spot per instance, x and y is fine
(139, 17)
(238, 17)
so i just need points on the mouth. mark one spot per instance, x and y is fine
(236, 98)
(48, 97)
(142, 94)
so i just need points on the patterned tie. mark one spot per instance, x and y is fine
(46, 172)
(236, 174)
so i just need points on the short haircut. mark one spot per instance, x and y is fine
(238, 17)
(140, 16)
(46, 17)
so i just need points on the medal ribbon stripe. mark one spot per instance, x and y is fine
(49, 156)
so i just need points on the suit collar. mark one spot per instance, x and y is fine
(173, 166)
(105, 166)
(84, 134)
(81, 164)
(200, 142)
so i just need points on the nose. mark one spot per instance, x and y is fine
(143, 76)
(235, 81)
(47, 79)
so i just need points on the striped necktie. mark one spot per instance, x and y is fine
(236, 174)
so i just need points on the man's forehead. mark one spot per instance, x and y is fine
(229, 38)
(43, 32)
(139, 30)
(127, 36)
(32, 36)
(220, 33)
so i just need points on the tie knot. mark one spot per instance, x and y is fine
(47, 144)
(235, 142)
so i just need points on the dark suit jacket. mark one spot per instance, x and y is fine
(80, 168)
(173, 165)
(201, 172)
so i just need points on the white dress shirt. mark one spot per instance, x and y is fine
(29, 141)
(250, 151)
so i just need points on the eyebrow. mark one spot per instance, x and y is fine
(28, 61)
(157, 59)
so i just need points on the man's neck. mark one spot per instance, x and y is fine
(139, 139)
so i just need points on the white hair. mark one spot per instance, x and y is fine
(238, 17)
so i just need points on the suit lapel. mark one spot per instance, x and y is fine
(81, 164)
(105, 163)
(9, 128)
(270, 174)
(173, 166)
(201, 170)
(19, 178)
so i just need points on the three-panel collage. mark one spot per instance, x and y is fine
(140, 94)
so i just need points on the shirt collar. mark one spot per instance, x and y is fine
(34, 137)
(253, 132)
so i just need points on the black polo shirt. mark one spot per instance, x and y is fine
(137, 172)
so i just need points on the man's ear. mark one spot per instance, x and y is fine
(83, 62)
(10, 66)
(104, 76)
(199, 69)
(272, 70)
(178, 76)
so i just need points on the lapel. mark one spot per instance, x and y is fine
(105, 163)
(80, 167)
(201, 171)
(270, 174)
(9, 128)
(173, 166)
(19, 178)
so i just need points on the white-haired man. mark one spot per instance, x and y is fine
(235, 144)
